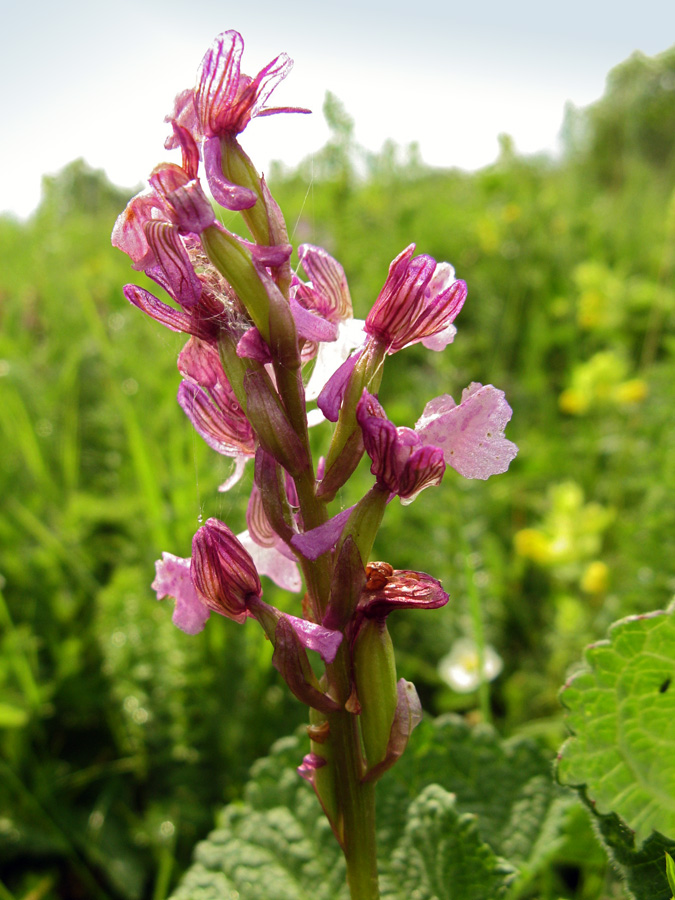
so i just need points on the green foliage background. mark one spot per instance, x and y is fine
(119, 736)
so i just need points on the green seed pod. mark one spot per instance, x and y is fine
(375, 676)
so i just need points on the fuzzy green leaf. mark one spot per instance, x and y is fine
(429, 838)
(441, 855)
(506, 784)
(621, 712)
(277, 842)
(641, 867)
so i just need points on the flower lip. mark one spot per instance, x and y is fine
(172, 579)
(470, 434)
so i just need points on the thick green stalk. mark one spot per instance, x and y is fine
(355, 799)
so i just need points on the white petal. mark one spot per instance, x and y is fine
(331, 355)
(269, 561)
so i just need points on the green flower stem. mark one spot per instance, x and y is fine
(291, 391)
(355, 799)
(365, 520)
(314, 511)
(317, 572)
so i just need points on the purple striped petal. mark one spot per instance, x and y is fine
(226, 434)
(172, 318)
(226, 100)
(328, 292)
(178, 275)
(223, 572)
(419, 300)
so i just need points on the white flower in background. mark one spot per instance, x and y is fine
(460, 668)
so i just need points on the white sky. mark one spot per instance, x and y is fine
(87, 79)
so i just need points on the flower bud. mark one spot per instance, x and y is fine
(222, 571)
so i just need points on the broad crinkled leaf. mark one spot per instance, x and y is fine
(507, 784)
(276, 843)
(621, 712)
(441, 855)
(643, 868)
(453, 808)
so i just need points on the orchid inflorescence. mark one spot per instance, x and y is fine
(256, 328)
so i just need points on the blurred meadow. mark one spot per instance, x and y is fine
(120, 736)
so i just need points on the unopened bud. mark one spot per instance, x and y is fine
(223, 571)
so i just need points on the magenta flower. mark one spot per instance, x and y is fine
(471, 434)
(419, 301)
(175, 578)
(207, 399)
(402, 463)
(174, 199)
(327, 295)
(158, 230)
(221, 576)
(226, 100)
(220, 107)
(223, 571)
